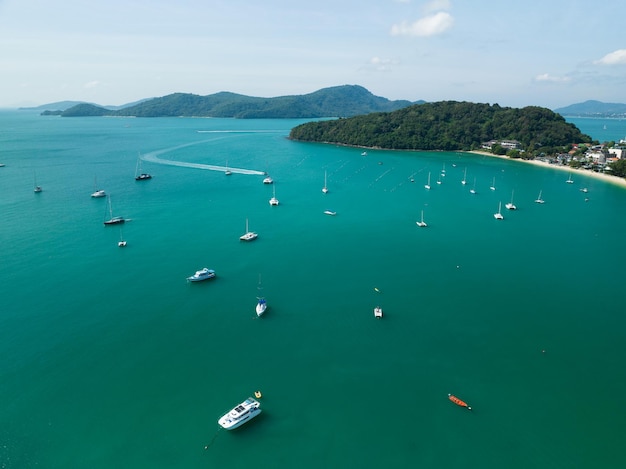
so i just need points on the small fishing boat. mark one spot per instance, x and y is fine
(458, 401)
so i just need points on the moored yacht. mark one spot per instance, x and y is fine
(378, 312)
(249, 235)
(240, 414)
(511, 205)
(274, 200)
(268, 180)
(203, 274)
(498, 214)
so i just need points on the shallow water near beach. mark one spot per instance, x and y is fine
(111, 359)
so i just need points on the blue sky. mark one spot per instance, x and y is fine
(549, 53)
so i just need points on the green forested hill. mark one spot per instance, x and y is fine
(446, 125)
(339, 101)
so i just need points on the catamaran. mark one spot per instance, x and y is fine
(464, 180)
(248, 235)
(493, 184)
(325, 188)
(421, 223)
(498, 215)
(427, 186)
(539, 200)
(274, 200)
(473, 189)
(511, 205)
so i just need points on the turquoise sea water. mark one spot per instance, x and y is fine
(111, 359)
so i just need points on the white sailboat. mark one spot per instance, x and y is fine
(511, 205)
(439, 179)
(569, 179)
(493, 184)
(473, 189)
(498, 215)
(97, 193)
(261, 304)
(248, 235)
(422, 223)
(121, 243)
(539, 200)
(443, 170)
(112, 220)
(273, 200)
(427, 186)
(325, 188)
(464, 180)
(228, 172)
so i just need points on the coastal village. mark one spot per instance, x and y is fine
(597, 158)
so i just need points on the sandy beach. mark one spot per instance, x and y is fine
(604, 177)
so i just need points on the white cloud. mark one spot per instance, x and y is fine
(613, 58)
(437, 5)
(381, 65)
(551, 79)
(427, 26)
(92, 84)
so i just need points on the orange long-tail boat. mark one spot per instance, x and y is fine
(458, 401)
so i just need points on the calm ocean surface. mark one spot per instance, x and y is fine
(111, 359)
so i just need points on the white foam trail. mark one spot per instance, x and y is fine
(153, 157)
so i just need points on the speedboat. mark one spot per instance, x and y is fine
(330, 212)
(378, 312)
(261, 306)
(240, 414)
(200, 275)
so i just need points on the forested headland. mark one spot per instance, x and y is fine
(448, 126)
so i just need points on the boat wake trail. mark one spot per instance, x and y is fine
(153, 157)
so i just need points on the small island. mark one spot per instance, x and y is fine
(530, 133)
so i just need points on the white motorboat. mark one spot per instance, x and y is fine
(249, 235)
(240, 414)
(330, 212)
(203, 274)
(378, 312)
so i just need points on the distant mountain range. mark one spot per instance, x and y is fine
(338, 101)
(60, 106)
(593, 109)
